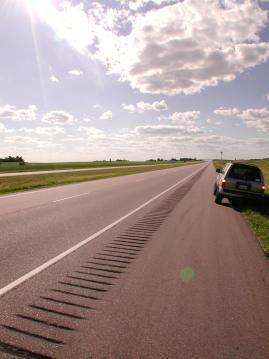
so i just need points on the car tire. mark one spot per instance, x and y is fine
(218, 198)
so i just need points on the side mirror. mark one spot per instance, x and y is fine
(218, 170)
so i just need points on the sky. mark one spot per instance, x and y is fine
(124, 79)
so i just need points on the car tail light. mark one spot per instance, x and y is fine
(223, 183)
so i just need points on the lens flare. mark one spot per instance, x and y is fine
(34, 8)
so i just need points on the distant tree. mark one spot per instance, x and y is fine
(185, 159)
(18, 159)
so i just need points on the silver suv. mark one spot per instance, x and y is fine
(238, 180)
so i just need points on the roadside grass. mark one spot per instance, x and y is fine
(257, 214)
(220, 164)
(16, 167)
(22, 183)
(260, 223)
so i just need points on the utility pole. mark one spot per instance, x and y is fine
(221, 155)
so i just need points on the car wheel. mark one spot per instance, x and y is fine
(218, 198)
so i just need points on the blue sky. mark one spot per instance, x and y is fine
(83, 80)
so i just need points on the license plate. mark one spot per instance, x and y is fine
(243, 186)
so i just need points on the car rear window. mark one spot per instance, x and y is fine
(245, 173)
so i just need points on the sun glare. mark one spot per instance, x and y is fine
(35, 7)
(30, 5)
(43, 8)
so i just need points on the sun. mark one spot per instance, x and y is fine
(30, 4)
(43, 8)
(34, 5)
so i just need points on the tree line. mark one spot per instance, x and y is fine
(18, 159)
(184, 159)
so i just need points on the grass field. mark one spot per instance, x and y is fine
(22, 183)
(16, 167)
(257, 214)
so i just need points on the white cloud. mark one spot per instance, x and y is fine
(222, 111)
(180, 48)
(155, 106)
(58, 118)
(55, 79)
(188, 46)
(141, 143)
(267, 96)
(165, 130)
(166, 141)
(188, 117)
(137, 4)
(97, 105)
(259, 141)
(3, 128)
(163, 118)
(22, 140)
(107, 115)
(72, 139)
(75, 72)
(39, 130)
(216, 140)
(142, 106)
(9, 112)
(256, 118)
(130, 108)
(91, 132)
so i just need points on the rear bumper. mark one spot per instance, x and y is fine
(228, 193)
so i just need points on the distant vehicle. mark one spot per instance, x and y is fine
(238, 180)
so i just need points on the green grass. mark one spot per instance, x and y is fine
(16, 167)
(257, 214)
(260, 224)
(220, 164)
(22, 183)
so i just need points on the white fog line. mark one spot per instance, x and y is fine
(34, 191)
(56, 259)
(63, 199)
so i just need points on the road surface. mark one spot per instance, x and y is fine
(140, 266)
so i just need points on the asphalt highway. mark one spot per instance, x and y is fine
(140, 266)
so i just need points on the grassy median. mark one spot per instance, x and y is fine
(29, 167)
(257, 214)
(22, 183)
